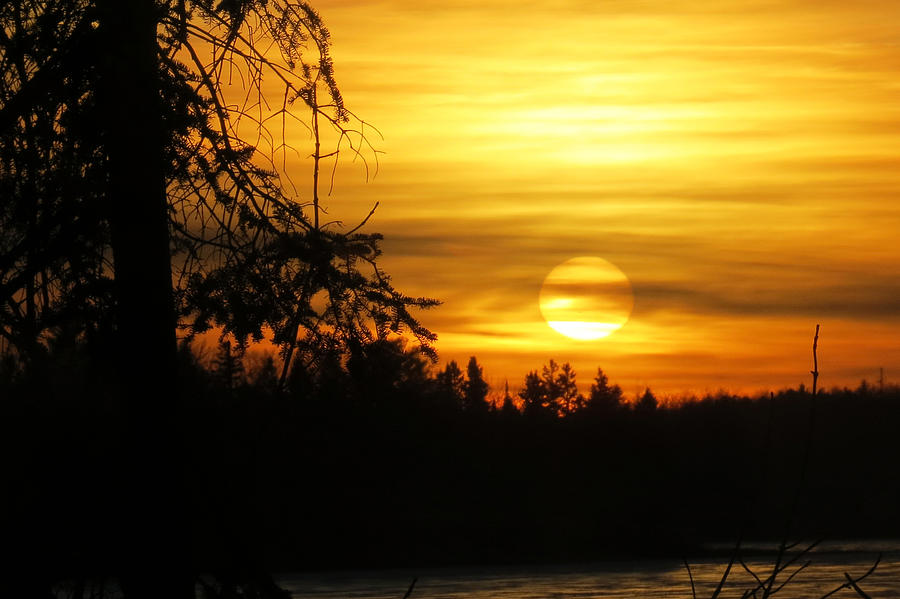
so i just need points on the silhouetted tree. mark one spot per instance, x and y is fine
(552, 391)
(569, 398)
(55, 265)
(604, 397)
(646, 403)
(191, 373)
(534, 395)
(386, 371)
(247, 256)
(265, 376)
(544, 393)
(864, 388)
(228, 366)
(132, 138)
(507, 407)
(451, 383)
(124, 168)
(476, 389)
(276, 265)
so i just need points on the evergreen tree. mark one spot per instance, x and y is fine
(552, 391)
(124, 171)
(647, 402)
(386, 371)
(451, 383)
(228, 366)
(265, 376)
(569, 398)
(604, 397)
(533, 395)
(508, 407)
(476, 389)
(107, 197)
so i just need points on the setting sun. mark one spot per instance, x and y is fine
(586, 298)
(739, 165)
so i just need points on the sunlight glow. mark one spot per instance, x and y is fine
(586, 298)
(584, 331)
(720, 157)
(559, 303)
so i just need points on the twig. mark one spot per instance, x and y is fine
(767, 584)
(853, 586)
(777, 568)
(804, 465)
(815, 370)
(759, 583)
(851, 583)
(690, 577)
(410, 589)
(364, 221)
(737, 548)
(789, 578)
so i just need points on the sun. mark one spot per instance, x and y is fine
(586, 298)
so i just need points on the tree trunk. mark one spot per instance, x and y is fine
(154, 557)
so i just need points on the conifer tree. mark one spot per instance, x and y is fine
(228, 366)
(552, 391)
(138, 197)
(569, 398)
(451, 382)
(248, 253)
(265, 376)
(604, 397)
(476, 388)
(508, 407)
(533, 394)
(647, 402)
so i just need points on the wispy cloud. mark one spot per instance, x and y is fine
(738, 161)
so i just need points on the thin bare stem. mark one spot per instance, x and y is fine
(815, 371)
(852, 582)
(791, 577)
(364, 221)
(734, 554)
(410, 589)
(687, 567)
(759, 582)
(317, 158)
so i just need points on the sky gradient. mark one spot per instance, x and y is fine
(737, 161)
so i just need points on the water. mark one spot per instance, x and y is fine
(650, 579)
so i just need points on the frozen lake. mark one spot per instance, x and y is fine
(651, 579)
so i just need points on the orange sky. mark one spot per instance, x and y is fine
(739, 162)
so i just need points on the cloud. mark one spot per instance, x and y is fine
(870, 300)
(738, 161)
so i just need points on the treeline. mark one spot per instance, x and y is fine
(385, 368)
(376, 460)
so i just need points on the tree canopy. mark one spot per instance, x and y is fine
(143, 173)
(250, 251)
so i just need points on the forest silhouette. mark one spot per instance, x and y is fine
(140, 203)
(383, 460)
(136, 211)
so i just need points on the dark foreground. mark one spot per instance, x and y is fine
(643, 579)
(383, 468)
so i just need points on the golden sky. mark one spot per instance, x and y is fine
(738, 161)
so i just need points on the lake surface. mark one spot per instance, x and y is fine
(656, 578)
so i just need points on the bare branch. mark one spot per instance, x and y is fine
(852, 582)
(815, 371)
(410, 589)
(687, 567)
(791, 577)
